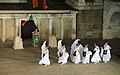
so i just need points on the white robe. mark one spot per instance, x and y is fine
(63, 59)
(61, 49)
(44, 59)
(73, 46)
(86, 59)
(101, 53)
(96, 57)
(59, 45)
(81, 50)
(77, 58)
(106, 57)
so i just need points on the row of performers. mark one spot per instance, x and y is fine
(78, 53)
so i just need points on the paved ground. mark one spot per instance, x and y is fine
(25, 62)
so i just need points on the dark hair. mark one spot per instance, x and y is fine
(62, 43)
(46, 44)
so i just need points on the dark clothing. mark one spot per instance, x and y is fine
(74, 54)
(84, 53)
(104, 52)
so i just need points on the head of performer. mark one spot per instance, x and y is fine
(59, 43)
(106, 44)
(86, 46)
(77, 42)
(96, 47)
(46, 44)
(62, 43)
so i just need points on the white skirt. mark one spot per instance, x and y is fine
(106, 57)
(77, 59)
(63, 58)
(86, 59)
(96, 57)
(45, 60)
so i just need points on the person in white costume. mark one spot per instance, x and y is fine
(76, 55)
(96, 57)
(59, 45)
(62, 54)
(81, 50)
(101, 53)
(18, 43)
(73, 46)
(106, 53)
(45, 55)
(86, 55)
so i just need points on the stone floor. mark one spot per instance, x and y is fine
(25, 62)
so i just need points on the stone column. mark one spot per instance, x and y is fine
(19, 27)
(62, 28)
(38, 26)
(3, 29)
(36, 22)
(16, 27)
(74, 28)
(50, 26)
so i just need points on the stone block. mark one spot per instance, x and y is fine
(52, 41)
(18, 43)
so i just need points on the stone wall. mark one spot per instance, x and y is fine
(111, 20)
(0, 28)
(89, 18)
(61, 24)
(89, 24)
(83, 5)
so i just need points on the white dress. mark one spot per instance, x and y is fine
(62, 56)
(45, 55)
(73, 46)
(106, 53)
(101, 53)
(45, 58)
(81, 50)
(96, 57)
(59, 45)
(76, 56)
(86, 58)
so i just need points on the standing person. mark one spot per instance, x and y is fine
(45, 55)
(106, 53)
(62, 54)
(86, 55)
(73, 46)
(35, 38)
(96, 57)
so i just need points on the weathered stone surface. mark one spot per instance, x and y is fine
(49, 22)
(111, 19)
(88, 25)
(85, 4)
(52, 41)
(18, 43)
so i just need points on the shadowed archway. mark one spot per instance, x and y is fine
(114, 24)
